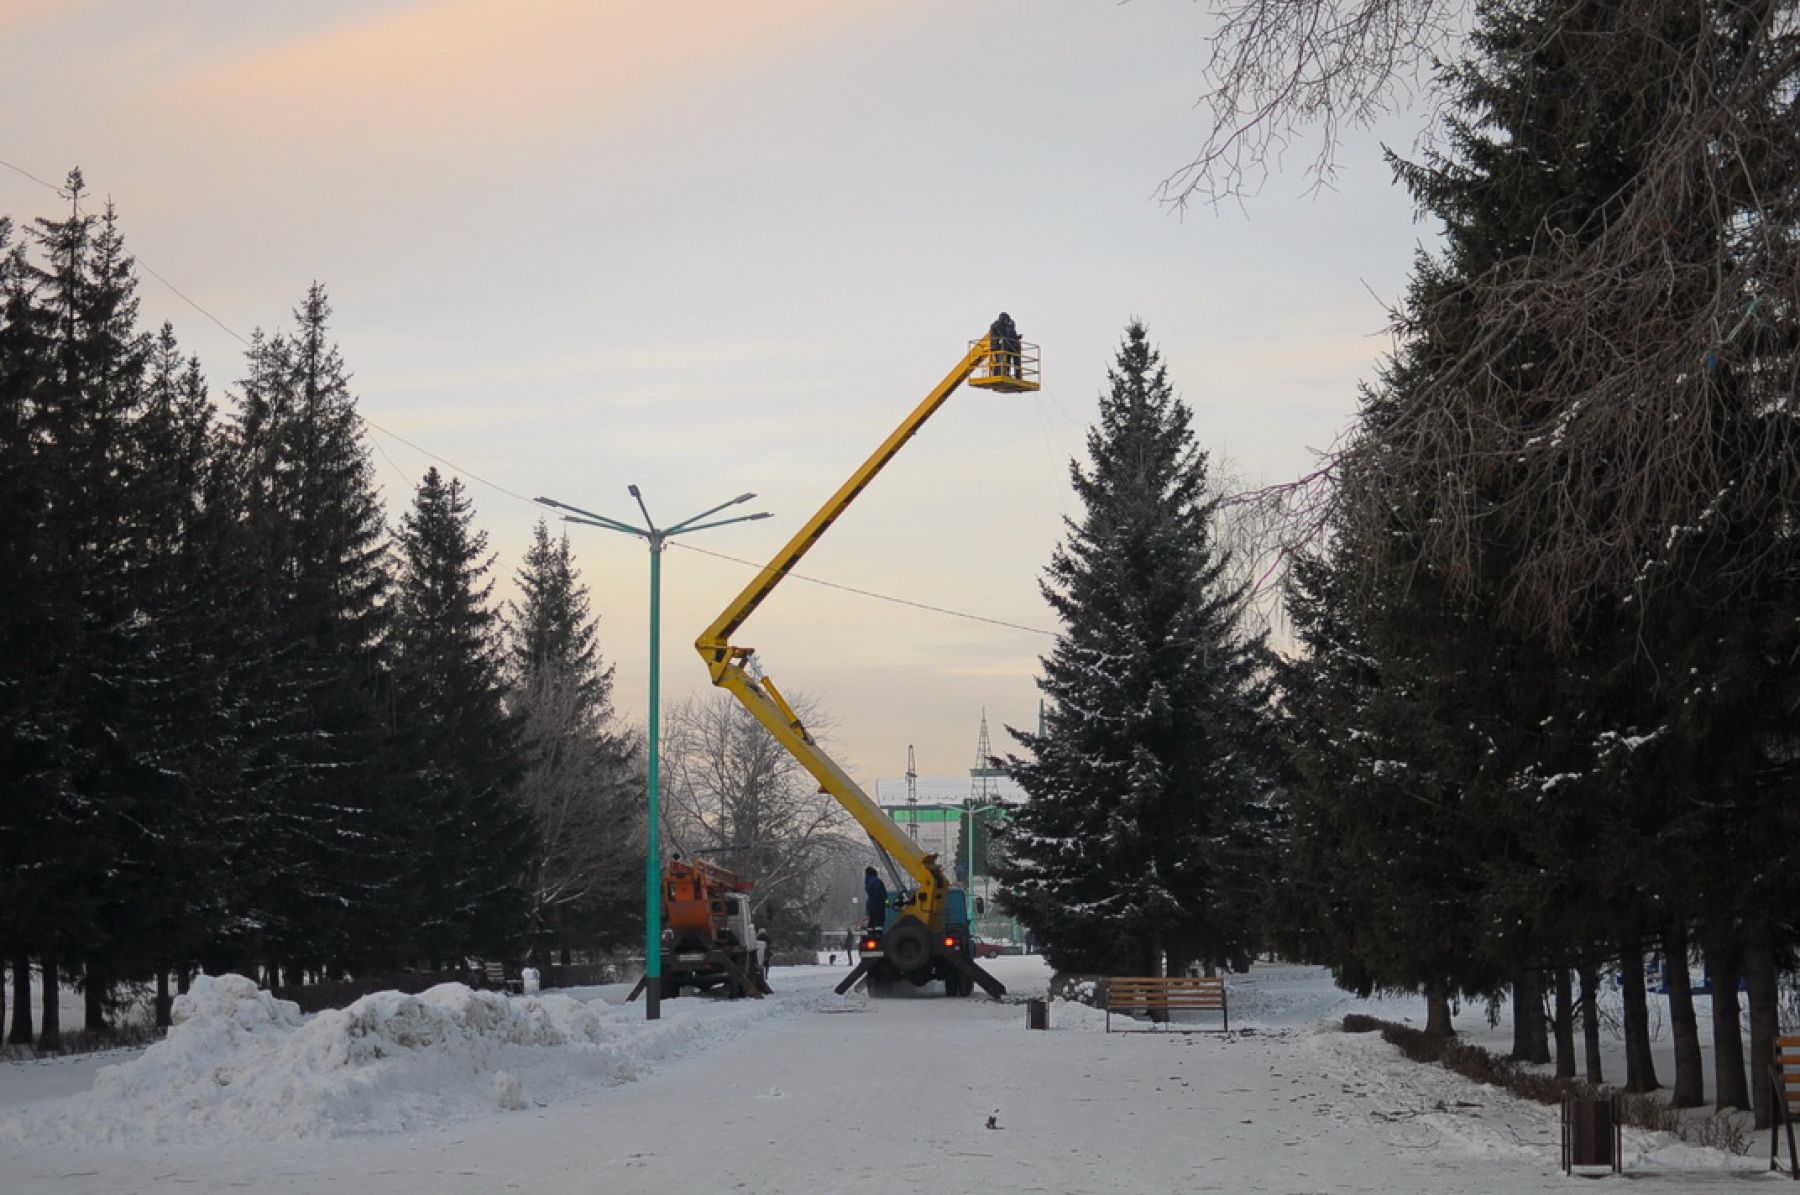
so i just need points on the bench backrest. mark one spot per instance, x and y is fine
(496, 972)
(1176, 991)
(1787, 1071)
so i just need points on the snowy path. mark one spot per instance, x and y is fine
(896, 1094)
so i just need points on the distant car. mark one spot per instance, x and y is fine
(997, 948)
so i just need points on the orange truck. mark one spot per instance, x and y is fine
(709, 941)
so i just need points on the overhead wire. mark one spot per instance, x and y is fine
(514, 494)
(243, 340)
(869, 593)
(34, 178)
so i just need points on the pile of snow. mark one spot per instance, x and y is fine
(239, 1063)
(1073, 1015)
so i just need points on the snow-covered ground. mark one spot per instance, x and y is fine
(456, 1091)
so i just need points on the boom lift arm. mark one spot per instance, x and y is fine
(1009, 368)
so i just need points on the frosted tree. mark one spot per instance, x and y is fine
(319, 859)
(1146, 826)
(736, 796)
(583, 780)
(470, 842)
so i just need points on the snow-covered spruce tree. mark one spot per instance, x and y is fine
(1580, 463)
(1382, 874)
(319, 860)
(553, 636)
(21, 503)
(470, 843)
(1145, 832)
(582, 782)
(88, 795)
(182, 523)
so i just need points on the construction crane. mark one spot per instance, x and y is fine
(927, 935)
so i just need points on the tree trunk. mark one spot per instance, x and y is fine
(1729, 1089)
(1540, 1022)
(1437, 1014)
(1530, 1041)
(1521, 1029)
(93, 1001)
(1589, 974)
(1565, 1025)
(1690, 1072)
(21, 1009)
(183, 977)
(1640, 1066)
(1765, 1013)
(50, 1018)
(163, 1020)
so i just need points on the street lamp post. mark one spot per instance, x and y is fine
(656, 537)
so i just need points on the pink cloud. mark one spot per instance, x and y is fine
(452, 72)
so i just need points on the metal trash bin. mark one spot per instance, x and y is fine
(1592, 1133)
(1037, 1014)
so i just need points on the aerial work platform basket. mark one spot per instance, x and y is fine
(1010, 369)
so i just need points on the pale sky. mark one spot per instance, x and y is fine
(714, 247)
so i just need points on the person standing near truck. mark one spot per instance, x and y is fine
(877, 894)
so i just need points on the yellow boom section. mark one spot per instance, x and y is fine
(729, 664)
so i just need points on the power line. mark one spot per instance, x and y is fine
(514, 494)
(34, 178)
(240, 338)
(869, 593)
(445, 461)
(203, 311)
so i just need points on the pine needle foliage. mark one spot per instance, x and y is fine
(1147, 813)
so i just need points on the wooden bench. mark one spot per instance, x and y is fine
(1178, 993)
(496, 978)
(1784, 1078)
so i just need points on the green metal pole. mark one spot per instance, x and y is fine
(653, 859)
(969, 883)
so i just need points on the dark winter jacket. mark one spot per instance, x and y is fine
(877, 899)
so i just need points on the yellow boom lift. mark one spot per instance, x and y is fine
(928, 934)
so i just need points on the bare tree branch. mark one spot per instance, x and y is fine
(1279, 68)
(735, 795)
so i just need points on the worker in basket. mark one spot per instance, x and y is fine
(1003, 338)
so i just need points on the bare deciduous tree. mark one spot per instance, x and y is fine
(1665, 410)
(1279, 68)
(1262, 527)
(584, 790)
(1623, 417)
(735, 795)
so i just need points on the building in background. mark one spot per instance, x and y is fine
(934, 816)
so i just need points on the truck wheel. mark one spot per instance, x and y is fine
(908, 946)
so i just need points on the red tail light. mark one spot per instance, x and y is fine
(870, 944)
(950, 942)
